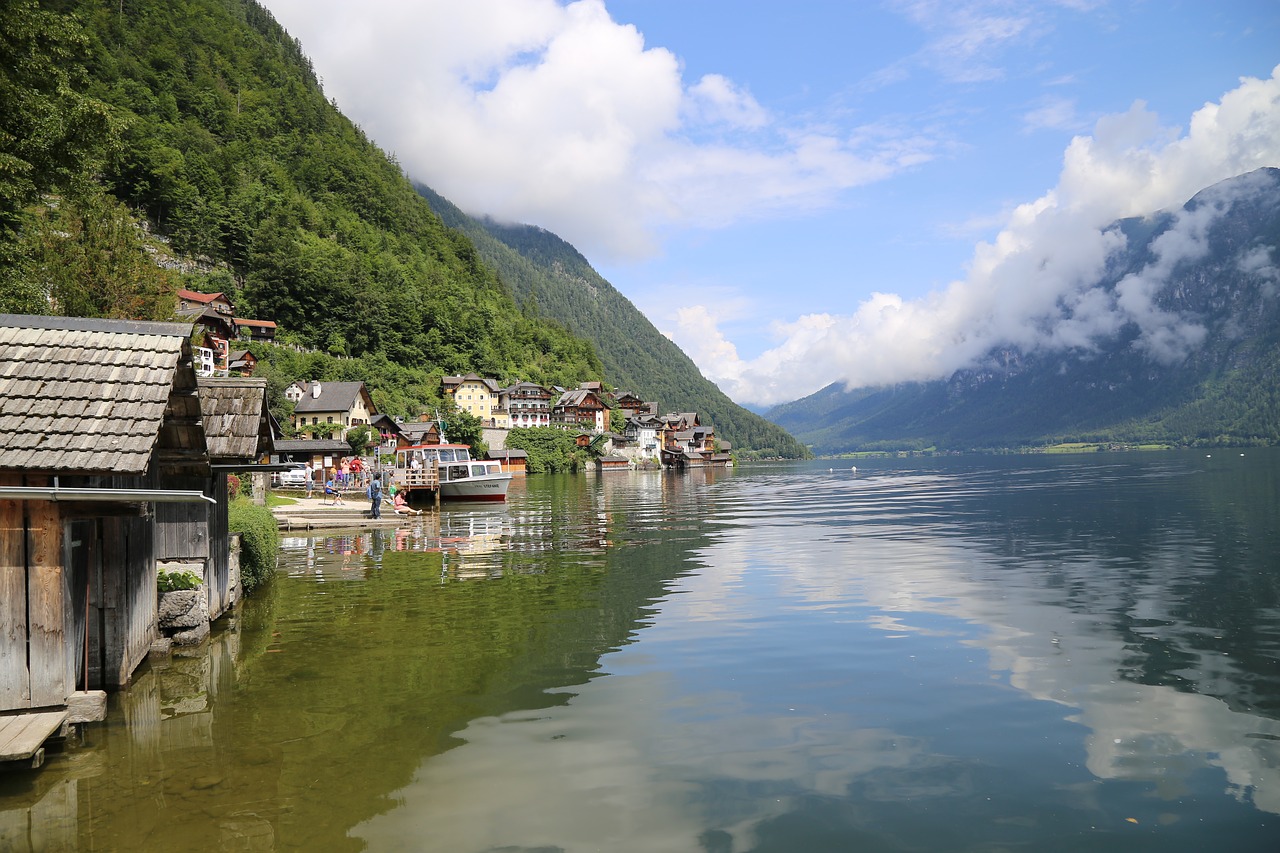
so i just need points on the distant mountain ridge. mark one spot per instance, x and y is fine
(1223, 388)
(550, 279)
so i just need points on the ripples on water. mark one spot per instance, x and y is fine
(961, 654)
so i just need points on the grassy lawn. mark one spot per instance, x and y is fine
(276, 499)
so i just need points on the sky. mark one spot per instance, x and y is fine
(815, 191)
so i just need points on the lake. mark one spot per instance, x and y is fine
(980, 653)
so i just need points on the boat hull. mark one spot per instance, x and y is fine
(486, 488)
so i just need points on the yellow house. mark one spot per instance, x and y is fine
(478, 396)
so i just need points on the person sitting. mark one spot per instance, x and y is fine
(332, 490)
(401, 506)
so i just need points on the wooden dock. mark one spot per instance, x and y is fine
(22, 735)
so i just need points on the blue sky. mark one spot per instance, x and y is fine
(807, 192)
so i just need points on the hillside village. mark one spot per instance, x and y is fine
(620, 429)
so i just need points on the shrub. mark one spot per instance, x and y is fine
(548, 450)
(233, 486)
(259, 541)
(174, 581)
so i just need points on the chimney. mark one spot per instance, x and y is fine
(315, 390)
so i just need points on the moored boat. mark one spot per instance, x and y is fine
(449, 469)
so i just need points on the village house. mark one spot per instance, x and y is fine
(255, 330)
(191, 302)
(686, 443)
(478, 396)
(390, 434)
(295, 391)
(242, 362)
(527, 404)
(581, 408)
(640, 438)
(320, 454)
(343, 404)
(215, 313)
(630, 405)
(100, 429)
(419, 432)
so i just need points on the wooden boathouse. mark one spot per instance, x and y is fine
(100, 424)
(239, 432)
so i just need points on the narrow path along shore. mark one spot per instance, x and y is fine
(315, 512)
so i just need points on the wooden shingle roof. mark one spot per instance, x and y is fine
(237, 424)
(95, 396)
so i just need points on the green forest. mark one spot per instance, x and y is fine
(148, 145)
(551, 279)
(194, 133)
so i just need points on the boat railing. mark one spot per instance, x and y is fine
(419, 478)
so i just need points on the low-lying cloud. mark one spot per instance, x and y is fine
(555, 114)
(1037, 284)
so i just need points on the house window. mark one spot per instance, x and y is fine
(314, 421)
(329, 419)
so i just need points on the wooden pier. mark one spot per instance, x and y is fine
(22, 735)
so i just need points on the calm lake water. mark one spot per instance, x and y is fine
(965, 654)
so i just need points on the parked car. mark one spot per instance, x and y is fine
(292, 478)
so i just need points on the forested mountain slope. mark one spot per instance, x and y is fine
(213, 131)
(1222, 388)
(550, 278)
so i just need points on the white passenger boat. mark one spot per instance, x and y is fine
(450, 469)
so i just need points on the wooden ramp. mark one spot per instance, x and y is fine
(22, 735)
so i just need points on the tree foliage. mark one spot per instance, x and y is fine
(550, 450)
(259, 541)
(553, 281)
(229, 150)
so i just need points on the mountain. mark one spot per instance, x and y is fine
(1204, 370)
(157, 144)
(551, 279)
(218, 141)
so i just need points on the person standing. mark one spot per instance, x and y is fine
(310, 478)
(375, 497)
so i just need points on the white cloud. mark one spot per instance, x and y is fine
(1053, 113)
(716, 98)
(1033, 286)
(968, 36)
(560, 116)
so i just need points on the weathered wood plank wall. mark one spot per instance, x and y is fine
(143, 605)
(15, 679)
(182, 529)
(48, 618)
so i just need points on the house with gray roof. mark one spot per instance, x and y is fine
(100, 429)
(344, 404)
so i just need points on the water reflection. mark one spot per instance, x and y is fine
(933, 659)
(957, 654)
